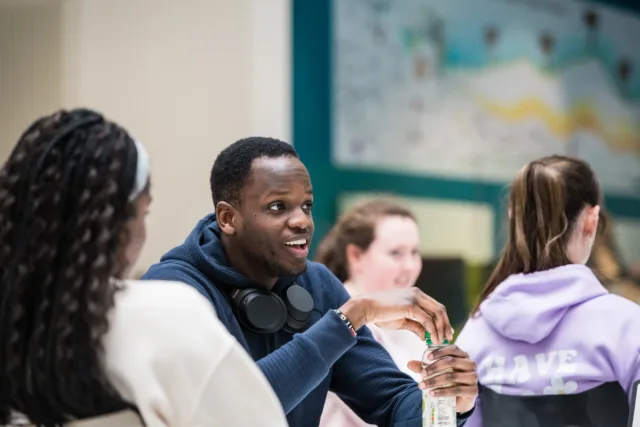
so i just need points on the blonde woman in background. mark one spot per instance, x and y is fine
(374, 247)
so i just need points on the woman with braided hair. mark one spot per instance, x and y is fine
(79, 344)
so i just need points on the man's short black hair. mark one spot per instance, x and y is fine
(233, 165)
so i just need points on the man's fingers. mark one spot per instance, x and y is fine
(455, 363)
(467, 391)
(450, 356)
(450, 379)
(441, 318)
(438, 313)
(425, 319)
(453, 358)
(415, 366)
(415, 327)
(448, 362)
(450, 350)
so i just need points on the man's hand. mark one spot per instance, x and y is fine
(409, 309)
(464, 376)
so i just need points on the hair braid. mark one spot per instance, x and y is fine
(57, 291)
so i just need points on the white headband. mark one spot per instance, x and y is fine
(142, 171)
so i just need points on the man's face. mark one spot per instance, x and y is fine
(276, 222)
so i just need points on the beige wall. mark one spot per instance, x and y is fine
(186, 77)
(30, 64)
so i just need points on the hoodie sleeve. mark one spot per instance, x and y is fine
(298, 367)
(367, 379)
(624, 351)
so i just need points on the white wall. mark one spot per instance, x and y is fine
(186, 77)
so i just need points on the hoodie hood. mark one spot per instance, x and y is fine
(527, 307)
(203, 249)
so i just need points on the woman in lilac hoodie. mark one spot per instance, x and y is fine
(553, 347)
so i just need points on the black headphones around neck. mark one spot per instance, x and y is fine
(268, 312)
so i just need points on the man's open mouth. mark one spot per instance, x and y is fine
(300, 244)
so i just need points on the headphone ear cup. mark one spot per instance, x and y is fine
(299, 304)
(260, 311)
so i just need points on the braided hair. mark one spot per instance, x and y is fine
(64, 206)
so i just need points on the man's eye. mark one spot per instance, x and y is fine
(276, 206)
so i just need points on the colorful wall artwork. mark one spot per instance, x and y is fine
(475, 89)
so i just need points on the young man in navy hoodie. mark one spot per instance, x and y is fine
(294, 316)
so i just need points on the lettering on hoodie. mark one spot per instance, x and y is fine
(556, 366)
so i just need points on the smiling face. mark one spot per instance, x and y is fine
(271, 229)
(392, 260)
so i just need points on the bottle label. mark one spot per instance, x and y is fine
(437, 411)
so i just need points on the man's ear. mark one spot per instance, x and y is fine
(227, 217)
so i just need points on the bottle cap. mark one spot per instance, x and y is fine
(427, 339)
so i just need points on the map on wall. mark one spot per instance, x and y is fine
(475, 89)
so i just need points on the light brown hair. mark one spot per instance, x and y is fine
(357, 227)
(545, 200)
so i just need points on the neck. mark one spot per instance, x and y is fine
(576, 253)
(239, 262)
(353, 287)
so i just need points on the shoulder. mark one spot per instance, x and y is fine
(182, 272)
(163, 348)
(323, 285)
(172, 270)
(318, 271)
(474, 335)
(165, 314)
(162, 295)
(612, 307)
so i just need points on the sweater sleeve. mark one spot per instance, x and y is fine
(226, 405)
(296, 368)
(369, 382)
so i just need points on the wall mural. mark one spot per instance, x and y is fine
(475, 89)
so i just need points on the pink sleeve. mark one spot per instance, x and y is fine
(337, 414)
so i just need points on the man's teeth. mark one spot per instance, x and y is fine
(297, 242)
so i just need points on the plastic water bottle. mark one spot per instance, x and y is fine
(437, 411)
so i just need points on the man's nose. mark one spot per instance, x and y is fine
(300, 220)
